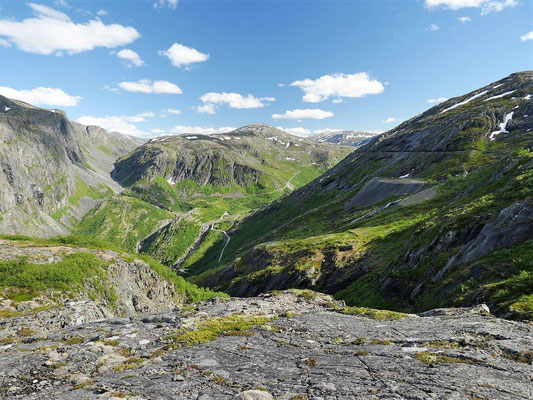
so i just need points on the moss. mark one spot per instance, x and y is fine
(381, 342)
(433, 358)
(113, 343)
(130, 363)
(26, 332)
(212, 328)
(73, 340)
(379, 315)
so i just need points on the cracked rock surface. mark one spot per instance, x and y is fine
(304, 348)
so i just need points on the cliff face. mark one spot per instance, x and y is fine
(52, 171)
(425, 215)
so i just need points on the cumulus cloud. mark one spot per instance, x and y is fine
(298, 131)
(182, 56)
(122, 124)
(131, 58)
(52, 32)
(437, 100)
(233, 100)
(433, 28)
(389, 120)
(201, 130)
(313, 113)
(41, 96)
(527, 36)
(172, 4)
(338, 85)
(487, 6)
(157, 131)
(147, 86)
(464, 20)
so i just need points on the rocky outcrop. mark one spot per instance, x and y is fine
(290, 345)
(131, 284)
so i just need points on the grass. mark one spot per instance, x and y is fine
(206, 331)
(378, 315)
(435, 358)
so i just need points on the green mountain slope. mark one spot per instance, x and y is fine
(435, 212)
(183, 191)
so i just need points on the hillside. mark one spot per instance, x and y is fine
(52, 170)
(435, 212)
(182, 192)
(345, 138)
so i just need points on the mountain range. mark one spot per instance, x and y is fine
(436, 212)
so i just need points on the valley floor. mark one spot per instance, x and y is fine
(290, 345)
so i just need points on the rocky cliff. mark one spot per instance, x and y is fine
(435, 212)
(52, 171)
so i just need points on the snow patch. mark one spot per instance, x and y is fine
(503, 126)
(171, 181)
(462, 103)
(191, 137)
(405, 176)
(526, 97)
(500, 95)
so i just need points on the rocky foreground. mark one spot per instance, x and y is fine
(284, 345)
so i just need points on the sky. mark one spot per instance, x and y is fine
(154, 67)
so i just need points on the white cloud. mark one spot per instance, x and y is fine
(314, 113)
(146, 114)
(172, 4)
(487, 6)
(171, 111)
(527, 36)
(433, 27)
(122, 124)
(233, 100)
(147, 86)
(180, 55)
(338, 85)
(52, 31)
(389, 120)
(101, 13)
(200, 129)
(337, 101)
(111, 89)
(464, 19)
(131, 58)
(4, 43)
(61, 3)
(41, 96)
(298, 131)
(157, 131)
(437, 100)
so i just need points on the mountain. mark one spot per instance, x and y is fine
(182, 192)
(52, 170)
(345, 138)
(435, 212)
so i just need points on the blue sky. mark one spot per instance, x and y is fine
(152, 67)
